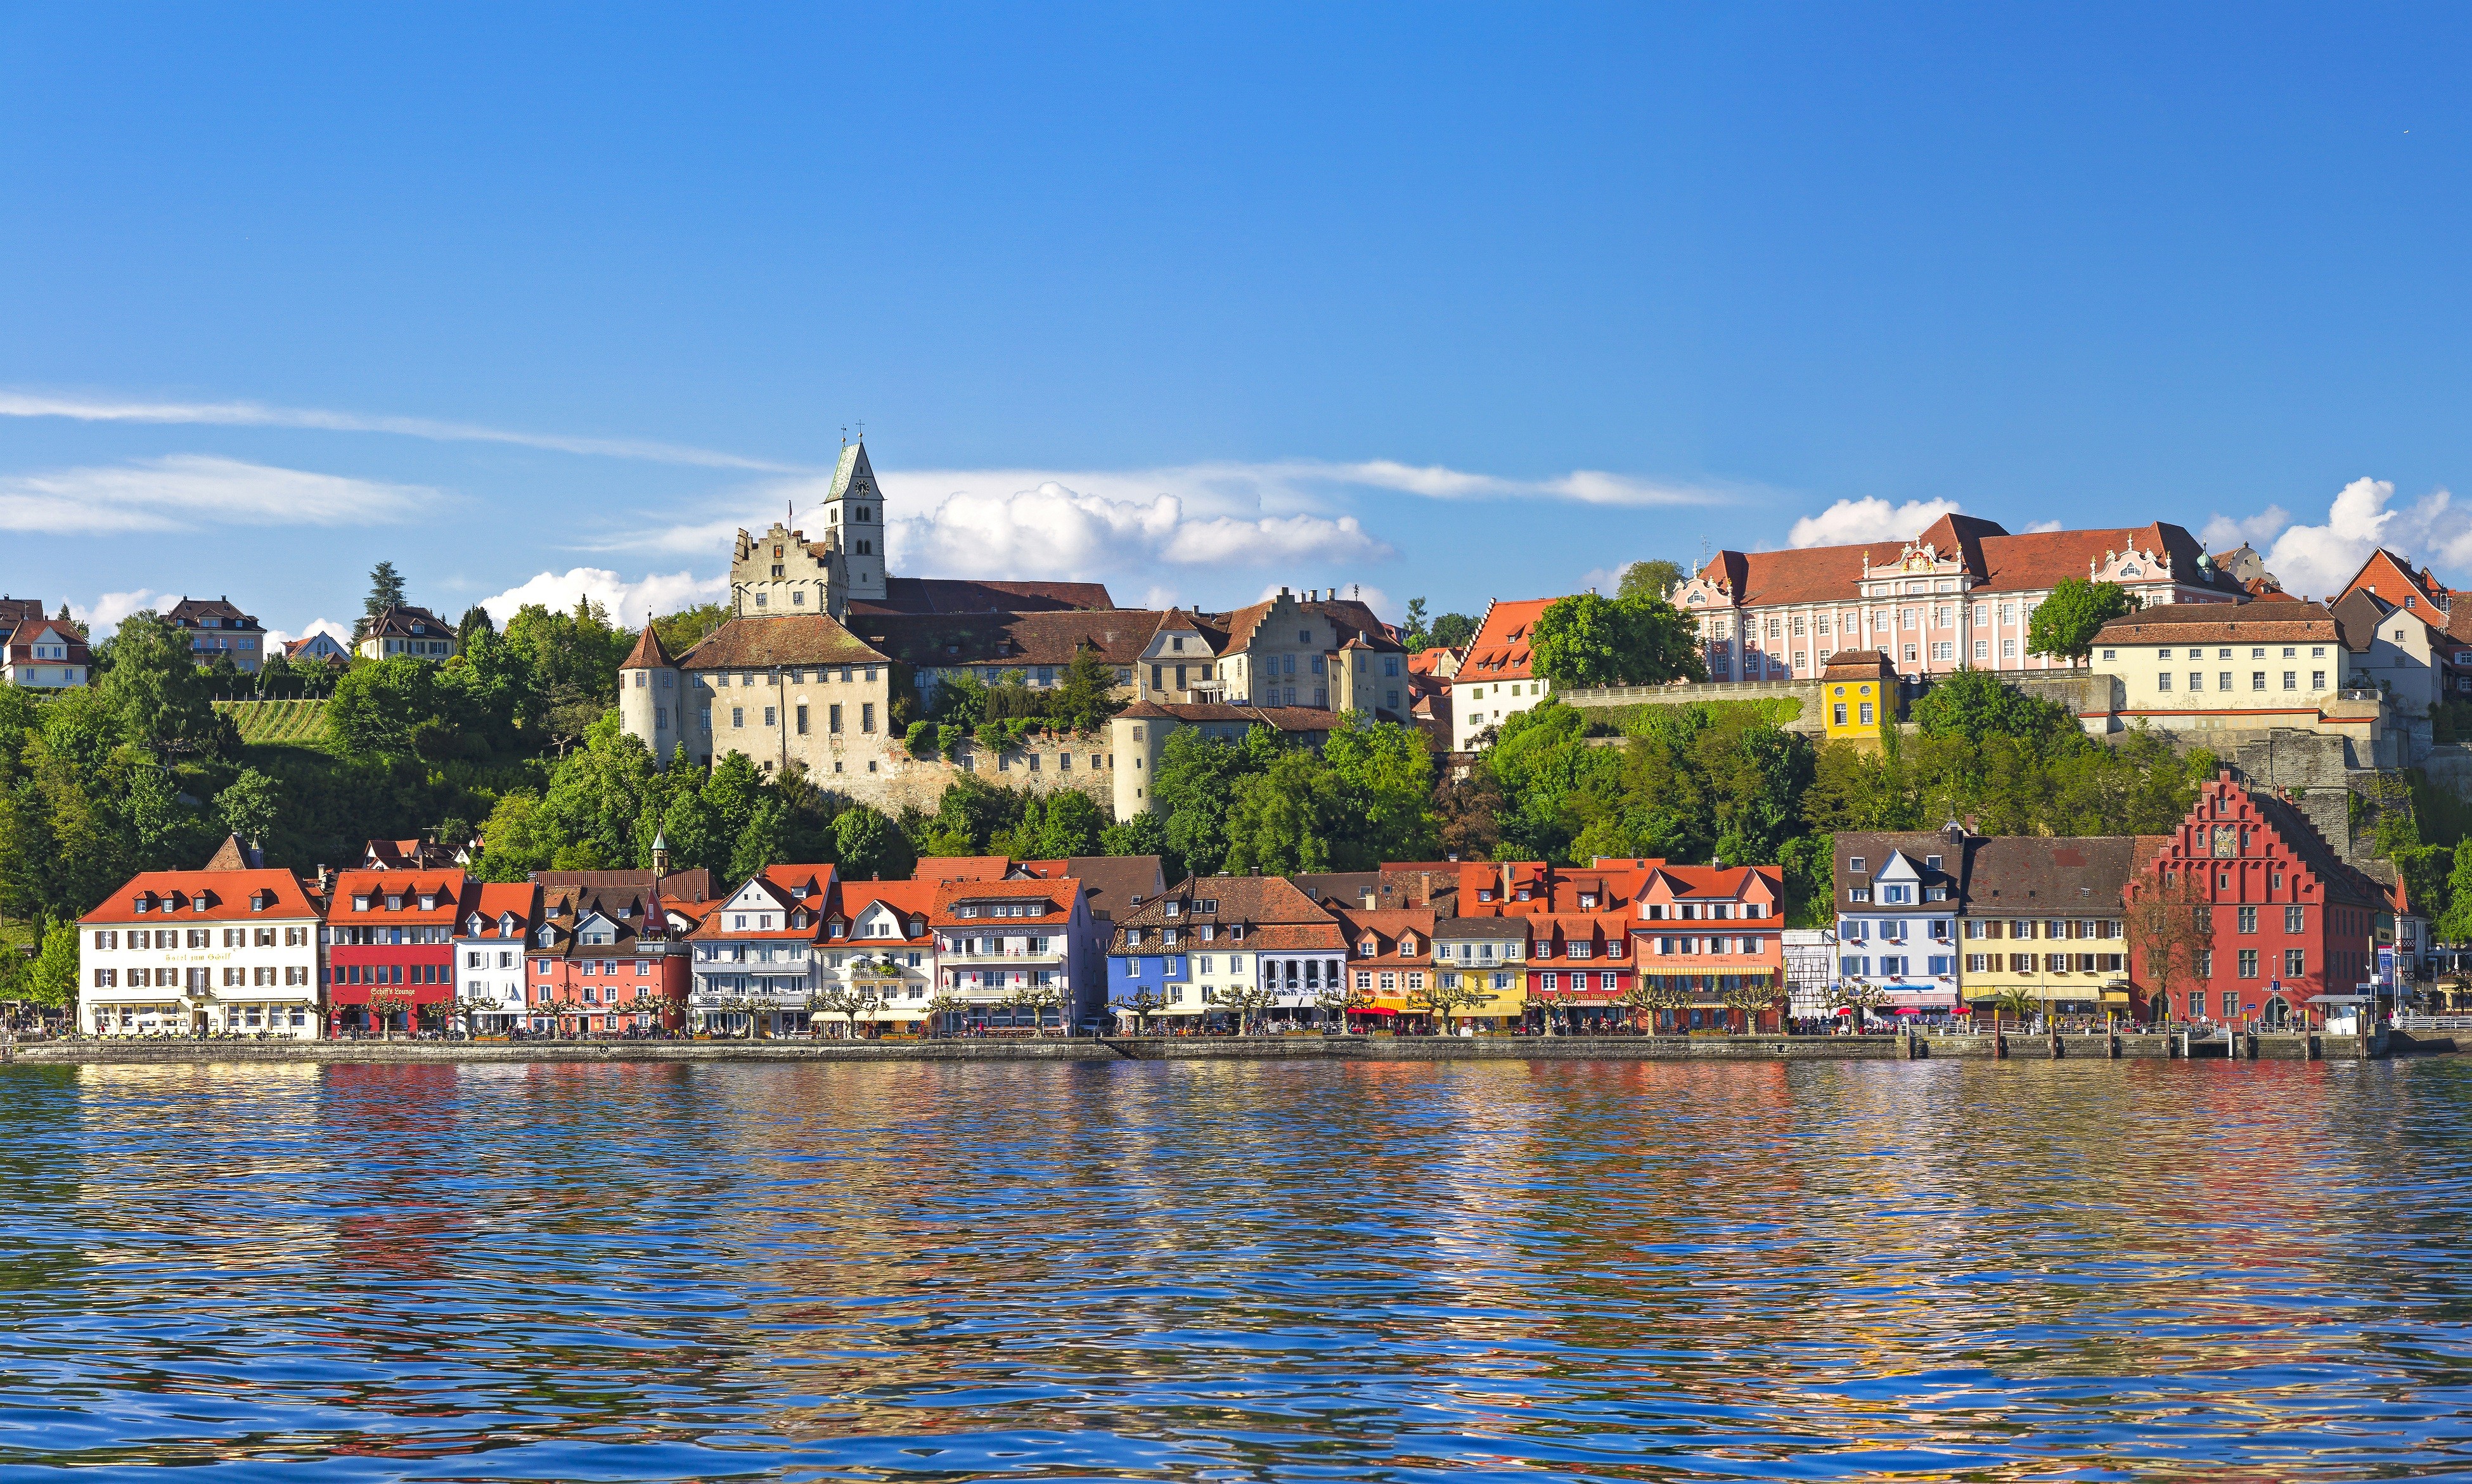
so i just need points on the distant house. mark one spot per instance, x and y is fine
(43, 653)
(400, 630)
(316, 648)
(216, 628)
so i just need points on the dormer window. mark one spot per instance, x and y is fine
(1523, 894)
(1587, 901)
(1173, 907)
(1408, 943)
(394, 903)
(360, 902)
(1485, 893)
(1365, 948)
(144, 902)
(428, 902)
(1854, 864)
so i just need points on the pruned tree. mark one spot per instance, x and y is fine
(1447, 1001)
(2169, 925)
(1750, 994)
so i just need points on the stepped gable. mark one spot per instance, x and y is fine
(1342, 613)
(2301, 836)
(790, 639)
(921, 596)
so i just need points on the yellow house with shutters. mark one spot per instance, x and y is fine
(1858, 696)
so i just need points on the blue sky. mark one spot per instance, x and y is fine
(1458, 302)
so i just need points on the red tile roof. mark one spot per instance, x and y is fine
(1058, 895)
(174, 896)
(1499, 651)
(444, 887)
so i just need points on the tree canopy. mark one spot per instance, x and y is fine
(1590, 640)
(2064, 625)
(1655, 579)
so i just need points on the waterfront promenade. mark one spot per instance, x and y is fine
(1371, 1049)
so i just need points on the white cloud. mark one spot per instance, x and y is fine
(1058, 532)
(626, 601)
(2041, 525)
(187, 492)
(108, 610)
(1848, 522)
(2316, 561)
(340, 633)
(254, 415)
(2223, 533)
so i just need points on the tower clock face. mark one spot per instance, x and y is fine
(2226, 841)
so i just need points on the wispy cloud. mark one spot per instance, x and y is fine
(257, 414)
(1851, 521)
(190, 491)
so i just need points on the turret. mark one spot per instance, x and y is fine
(651, 703)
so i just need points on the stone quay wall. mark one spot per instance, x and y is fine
(1377, 1048)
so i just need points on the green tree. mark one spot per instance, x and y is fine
(1656, 578)
(1977, 703)
(52, 979)
(384, 708)
(1143, 835)
(1413, 632)
(1384, 774)
(164, 702)
(1195, 788)
(386, 590)
(695, 835)
(1590, 640)
(1452, 632)
(1070, 822)
(250, 805)
(1285, 818)
(476, 621)
(763, 842)
(1086, 698)
(2455, 925)
(872, 847)
(2064, 624)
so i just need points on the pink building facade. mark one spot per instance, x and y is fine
(1959, 596)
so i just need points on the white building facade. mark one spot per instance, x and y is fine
(202, 952)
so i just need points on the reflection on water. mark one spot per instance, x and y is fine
(1221, 1269)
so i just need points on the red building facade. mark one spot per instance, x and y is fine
(389, 940)
(2290, 919)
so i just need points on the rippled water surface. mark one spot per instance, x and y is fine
(1225, 1270)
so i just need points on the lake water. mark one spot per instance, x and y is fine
(1223, 1270)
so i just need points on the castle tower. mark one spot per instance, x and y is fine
(854, 529)
(651, 701)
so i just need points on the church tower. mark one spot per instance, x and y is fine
(854, 529)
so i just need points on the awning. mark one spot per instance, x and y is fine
(1371, 1009)
(2115, 997)
(1923, 999)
